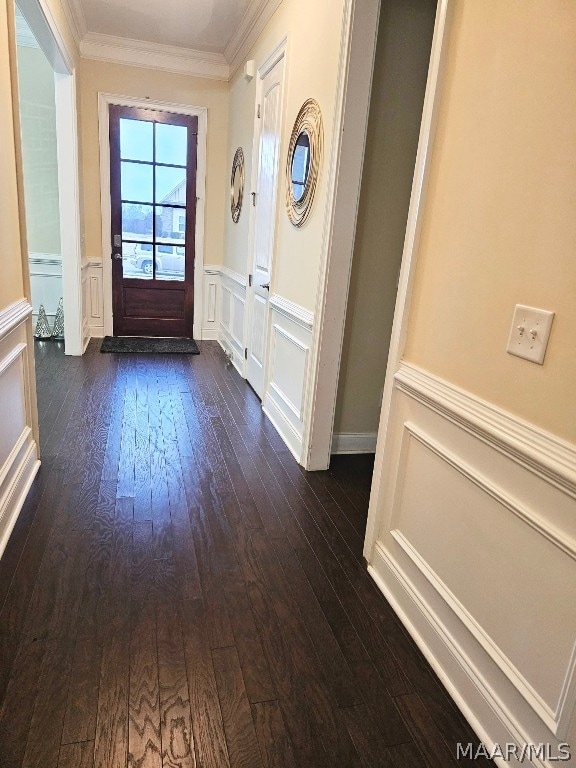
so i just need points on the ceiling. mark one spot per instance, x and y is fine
(201, 25)
(202, 38)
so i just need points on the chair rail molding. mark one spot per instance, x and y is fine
(457, 466)
(13, 316)
(546, 454)
(292, 310)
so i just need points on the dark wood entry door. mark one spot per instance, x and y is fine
(153, 204)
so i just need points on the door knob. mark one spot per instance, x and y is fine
(266, 285)
(117, 256)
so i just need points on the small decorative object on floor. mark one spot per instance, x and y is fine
(148, 345)
(42, 326)
(58, 330)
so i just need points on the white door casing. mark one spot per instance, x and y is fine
(265, 186)
(104, 100)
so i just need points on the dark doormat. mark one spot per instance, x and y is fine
(149, 345)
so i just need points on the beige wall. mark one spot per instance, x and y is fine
(119, 79)
(400, 69)
(11, 282)
(500, 223)
(38, 125)
(241, 134)
(311, 28)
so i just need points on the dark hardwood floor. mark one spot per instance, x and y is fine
(178, 592)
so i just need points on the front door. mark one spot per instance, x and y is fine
(153, 214)
(270, 110)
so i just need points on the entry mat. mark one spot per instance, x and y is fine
(149, 345)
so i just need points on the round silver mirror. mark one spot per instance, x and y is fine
(303, 162)
(237, 185)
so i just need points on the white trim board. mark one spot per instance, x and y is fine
(44, 27)
(292, 310)
(255, 19)
(69, 208)
(13, 315)
(104, 101)
(343, 163)
(227, 272)
(536, 449)
(169, 58)
(408, 266)
(354, 442)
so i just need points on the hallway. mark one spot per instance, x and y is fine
(178, 592)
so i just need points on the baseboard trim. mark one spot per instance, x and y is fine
(492, 721)
(229, 349)
(96, 332)
(354, 442)
(15, 494)
(283, 427)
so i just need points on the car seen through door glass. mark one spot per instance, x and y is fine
(139, 258)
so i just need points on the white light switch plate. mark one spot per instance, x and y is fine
(529, 333)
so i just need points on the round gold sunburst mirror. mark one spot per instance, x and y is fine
(237, 185)
(303, 162)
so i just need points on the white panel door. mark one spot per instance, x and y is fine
(270, 110)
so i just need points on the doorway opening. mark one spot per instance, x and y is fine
(160, 252)
(403, 50)
(37, 102)
(153, 221)
(47, 105)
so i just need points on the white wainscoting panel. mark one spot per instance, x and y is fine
(211, 304)
(232, 336)
(18, 451)
(476, 549)
(45, 282)
(94, 300)
(286, 389)
(85, 304)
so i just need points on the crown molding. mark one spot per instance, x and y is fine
(257, 15)
(169, 58)
(76, 19)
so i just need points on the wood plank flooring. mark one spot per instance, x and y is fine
(179, 593)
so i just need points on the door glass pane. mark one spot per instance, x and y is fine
(170, 185)
(169, 262)
(137, 261)
(136, 140)
(170, 224)
(136, 221)
(171, 144)
(136, 182)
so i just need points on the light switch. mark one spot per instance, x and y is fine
(529, 333)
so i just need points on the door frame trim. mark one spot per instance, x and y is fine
(350, 139)
(53, 43)
(279, 51)
(104, 102)
(418, 199)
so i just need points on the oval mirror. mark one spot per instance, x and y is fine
(303, 162)
(300, 165)
(237, 185)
